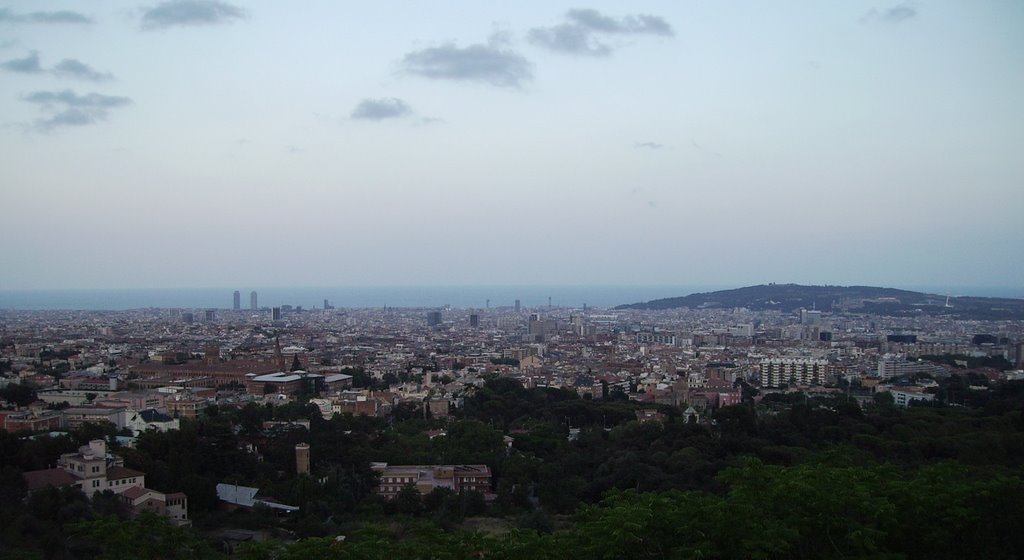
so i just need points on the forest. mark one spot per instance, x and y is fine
(790, 477)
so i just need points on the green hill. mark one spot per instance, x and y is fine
(854, 299)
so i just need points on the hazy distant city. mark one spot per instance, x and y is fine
(515, 280)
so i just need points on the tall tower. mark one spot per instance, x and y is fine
(237, 303)
(252, 301)
(518, 307)
(278, 356)
(302, 458)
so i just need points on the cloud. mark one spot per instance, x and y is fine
(381, 109)
(896, 14)
(27, 65)
(71, 109)
(190, 12)
(638, 24)
(648, 145)
(568, 38)
(62, 16)
(68, 117)
(585, 31)
(492, 63)
(72, 68)
(67, 68)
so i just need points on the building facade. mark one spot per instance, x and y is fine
(776, 372)
(425, 478)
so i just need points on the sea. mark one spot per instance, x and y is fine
(354, 297)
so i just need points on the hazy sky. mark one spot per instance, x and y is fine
(214, 143)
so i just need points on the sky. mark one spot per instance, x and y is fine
(203, 143)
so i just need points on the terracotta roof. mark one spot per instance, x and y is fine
(37, 480)
(134, 492)
(116, 473)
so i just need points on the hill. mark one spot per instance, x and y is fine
(855, 299)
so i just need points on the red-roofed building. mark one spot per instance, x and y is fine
(46, 478)
(93, 470)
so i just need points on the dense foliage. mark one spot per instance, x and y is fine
(791, 478)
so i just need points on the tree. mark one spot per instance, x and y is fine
(409, 501)
(148, 536)
(18, 393)
(884, 399)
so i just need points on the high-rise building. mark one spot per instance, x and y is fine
(187, 318)
(810, 316)
(518, 307)
(276, 313)
(211, 315)
(237, 304)
(252, 301)
(433, 318)
(474, 320)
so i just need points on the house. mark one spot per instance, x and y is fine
(146, 420)
(145, 500)
(93, 470)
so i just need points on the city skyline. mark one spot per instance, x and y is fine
(197, 143)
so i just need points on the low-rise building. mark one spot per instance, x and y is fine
(425, 478)
(74, 417)
(30, 421)
(903, 396)
(147, 420)
(146, 500)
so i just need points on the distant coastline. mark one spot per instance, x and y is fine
(340, 297)
(392, 296)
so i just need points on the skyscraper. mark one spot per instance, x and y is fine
(237, 304)
(474, 320)
(252, 301)
(517, 306)
(276, 314)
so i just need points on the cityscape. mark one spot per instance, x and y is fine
(511, 280)
(286, 381)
